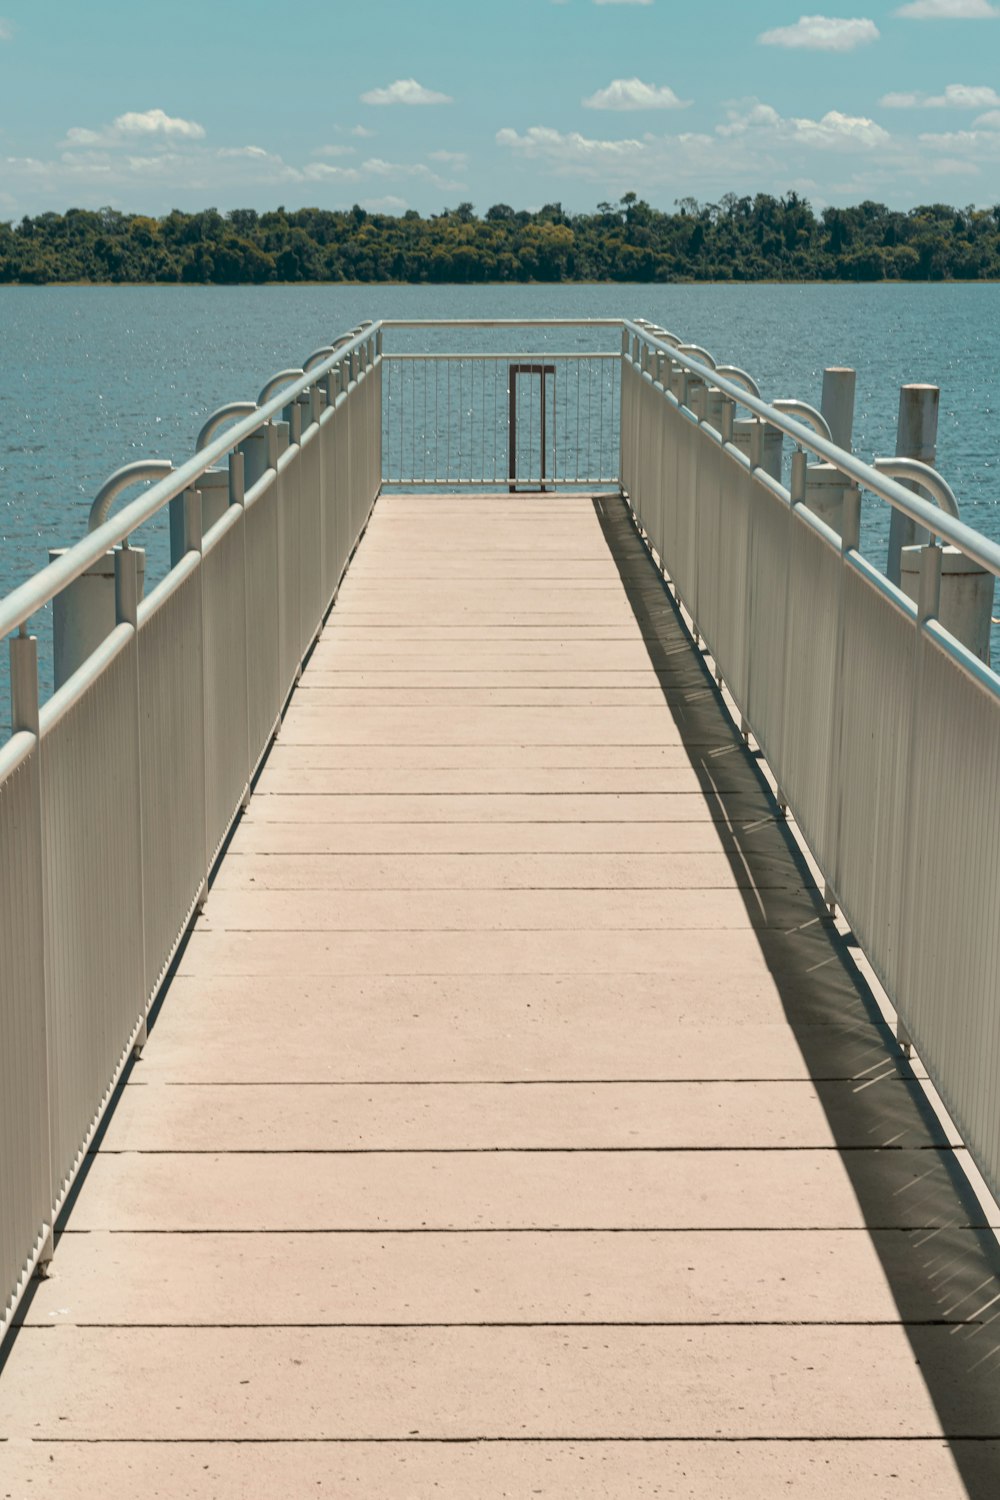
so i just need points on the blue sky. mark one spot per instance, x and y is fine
(400, 104)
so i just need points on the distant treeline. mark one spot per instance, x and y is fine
(737, 239)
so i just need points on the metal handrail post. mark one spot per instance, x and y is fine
(24, 705)
(127, 613)
(850, 541)
(237, 496)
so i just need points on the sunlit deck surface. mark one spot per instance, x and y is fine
(516, 1121)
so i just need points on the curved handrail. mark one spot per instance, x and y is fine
(698, 352)
(283, 377)
(733, 372)
(661, 333)
(317, 357)
(975, 546)
(807, 413)
(32, 595)
(137, 473)
(928, 479)
(223, 414)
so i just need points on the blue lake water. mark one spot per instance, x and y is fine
(94, 377)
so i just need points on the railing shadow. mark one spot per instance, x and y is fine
(939, 1257)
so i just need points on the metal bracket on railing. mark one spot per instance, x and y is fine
(805, 413)
(697, 352)
(922, 475)
(283, 377)
(317, 357)
(739, 377)
(223, 414)
(138, 473)
(905, 532)
(663, 334)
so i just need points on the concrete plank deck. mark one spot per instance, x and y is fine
(516, 1122)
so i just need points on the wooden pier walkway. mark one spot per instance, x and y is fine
(516, 1122)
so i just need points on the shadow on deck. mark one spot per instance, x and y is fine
(942, 1262)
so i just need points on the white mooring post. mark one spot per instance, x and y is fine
(837, 403)
(83, 615)
(214, 487)
(965, 601)
(966, 596)
(916, 437)
(771, 441)
(825, 484)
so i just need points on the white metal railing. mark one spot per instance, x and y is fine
(499, 419)
(117, 795)
(882, 729)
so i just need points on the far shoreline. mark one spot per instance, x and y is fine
(220, 286)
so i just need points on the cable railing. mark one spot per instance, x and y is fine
(501, 421)
(867, 691)
(495, 418)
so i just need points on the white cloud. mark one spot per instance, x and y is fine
(834, 131)
(6, 30)
(390, 204)
(405, 91)
(452, 158)
(541, 142)
(955, 96)
(822, 34)
(632, 93)
(989, 121)
(148, 125)
(334, 151)
(622, 2)
(969, 142)
(255, 153)
(948, 10)
(156, 122)
(375, 166)
(362, 132)
(323, 171)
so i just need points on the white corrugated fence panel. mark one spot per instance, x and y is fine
(25, 1181)
(93, 888)
(171, 698)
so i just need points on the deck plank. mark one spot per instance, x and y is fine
(516, 1120)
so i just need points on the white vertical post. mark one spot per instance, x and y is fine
(24, 719)
(127, 613)
(824, 493)
(193, 543)
(24, 683)
(837, 403)
(850, 540)
(237, 496)
(916, 437)
(928, 603)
